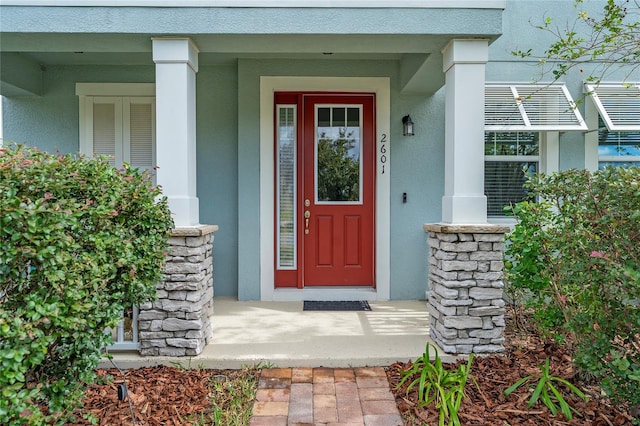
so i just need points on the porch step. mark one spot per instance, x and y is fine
(281, 334)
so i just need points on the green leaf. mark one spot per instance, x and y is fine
(516, 385)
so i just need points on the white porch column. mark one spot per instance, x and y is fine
(176, 62)
(464, 201)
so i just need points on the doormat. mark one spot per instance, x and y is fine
(358, 305)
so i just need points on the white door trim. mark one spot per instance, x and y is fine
(381, 87)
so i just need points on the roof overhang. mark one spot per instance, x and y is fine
(530, 107)
(37, 34)
(471, 4)
(617, 103)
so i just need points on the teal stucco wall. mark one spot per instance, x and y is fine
(228, 112)
(50, 121)
(416, 168)
(520, 21)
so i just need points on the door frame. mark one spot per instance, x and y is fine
(381, 87)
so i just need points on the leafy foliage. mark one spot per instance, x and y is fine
(79, 241)
(576, 256)
(547, 392)
(609, 38)
(438, 385)
(338, 168)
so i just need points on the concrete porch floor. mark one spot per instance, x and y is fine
(281, 334)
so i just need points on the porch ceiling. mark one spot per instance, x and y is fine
(25, 57)
(33, 38)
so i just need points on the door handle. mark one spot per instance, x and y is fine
(307, 215)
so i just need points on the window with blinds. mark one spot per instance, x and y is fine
(286, 192)
(617, 148)
(510, 158)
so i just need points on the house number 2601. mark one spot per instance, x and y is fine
(383, 150)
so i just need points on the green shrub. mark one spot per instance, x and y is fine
(577, 253)
(79, 241)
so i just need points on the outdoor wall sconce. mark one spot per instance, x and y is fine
(407, 126)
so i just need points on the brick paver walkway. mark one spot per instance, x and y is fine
(324, 396)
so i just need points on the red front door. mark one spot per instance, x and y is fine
(333, 200)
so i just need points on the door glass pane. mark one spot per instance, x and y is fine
(286, 187)
(324, 117)
(339, 117)
(353, 117)
(338, 154)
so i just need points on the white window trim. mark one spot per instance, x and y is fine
(115, 89)
(521, 108)
(91, 93)
(591, 159)
(382, 88)
(619, 159)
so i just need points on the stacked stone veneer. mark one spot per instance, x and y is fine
(466, 302)
(178, 322)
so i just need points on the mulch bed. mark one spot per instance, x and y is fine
(174, 396)
(160, 395)
(486, 404)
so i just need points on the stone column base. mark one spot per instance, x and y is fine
(466, 302)
(178, 322)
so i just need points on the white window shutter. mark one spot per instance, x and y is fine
(618, 104)
(540, 107)
(104, 131)
(141, 135)
(119, 127)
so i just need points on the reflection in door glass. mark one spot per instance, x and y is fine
(338, 153)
